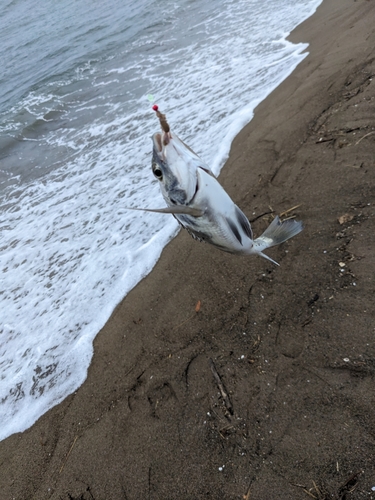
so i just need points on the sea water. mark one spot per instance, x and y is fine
(75, 151)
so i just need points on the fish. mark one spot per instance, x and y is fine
(201, 205)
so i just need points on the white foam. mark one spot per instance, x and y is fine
(70, 250)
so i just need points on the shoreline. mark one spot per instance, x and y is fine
(139, 259)
(149, 419)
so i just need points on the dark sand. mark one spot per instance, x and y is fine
(293, 345)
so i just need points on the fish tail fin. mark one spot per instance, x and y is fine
(268, 258)
(277, 232)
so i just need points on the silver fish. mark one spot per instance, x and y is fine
(202, 206)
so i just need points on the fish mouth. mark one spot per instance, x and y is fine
(160, 140)
(157, 140)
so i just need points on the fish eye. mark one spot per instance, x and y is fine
(157, 172)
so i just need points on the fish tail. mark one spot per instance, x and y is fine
(268, 258)
(277, 232)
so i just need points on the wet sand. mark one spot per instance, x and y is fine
(222, 377)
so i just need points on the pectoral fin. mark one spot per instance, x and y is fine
(181, 209)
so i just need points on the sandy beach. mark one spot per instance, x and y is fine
(225, 377)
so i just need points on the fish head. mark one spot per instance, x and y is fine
(175, 166)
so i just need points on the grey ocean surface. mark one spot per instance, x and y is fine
(48, 50)
(75, 151)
